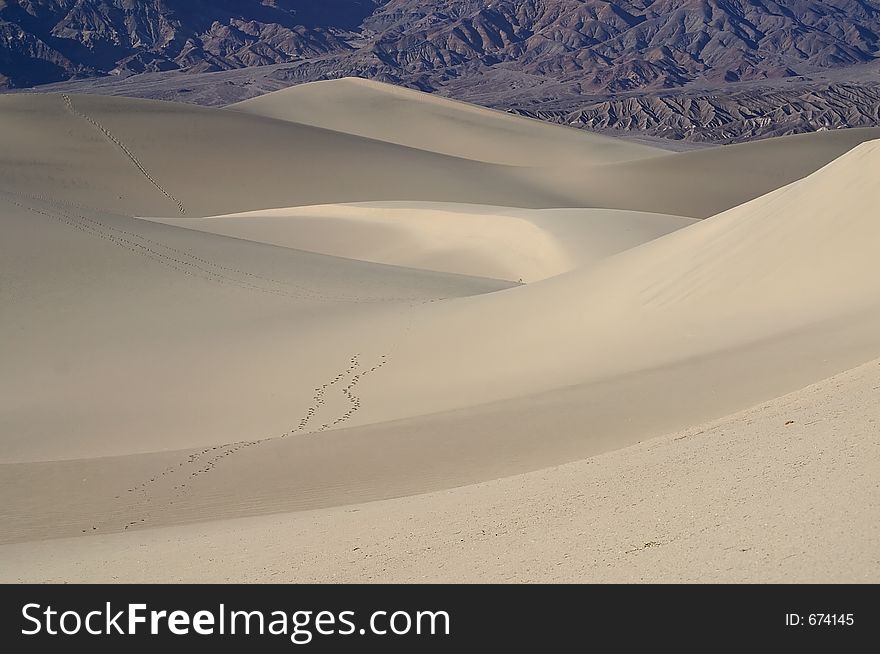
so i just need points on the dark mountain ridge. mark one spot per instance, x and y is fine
(594, 44)
(578, 62)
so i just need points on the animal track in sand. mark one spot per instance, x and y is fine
(68, 103)
(183, 261)
(183, 474)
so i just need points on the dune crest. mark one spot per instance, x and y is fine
(429, 122)
(499, 242)
(793, 261)
(213, 314)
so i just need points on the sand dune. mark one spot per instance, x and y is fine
(680, 508)
(116, 321)
(498, 242)
(583, 169)
(149, 158)
(476, 378)
(428, 122)
(793, 261)
(702, 183)
(210, 314)
(210, 161)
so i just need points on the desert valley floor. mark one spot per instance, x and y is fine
(349, 332)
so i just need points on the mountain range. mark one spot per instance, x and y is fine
(563, 60)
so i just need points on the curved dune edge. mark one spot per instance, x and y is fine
(432, 123)
(794, 261)
(484, 241)
(799, 257)
(215, 161)
(760, 496)
(159, 376)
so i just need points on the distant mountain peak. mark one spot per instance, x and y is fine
(596, 45)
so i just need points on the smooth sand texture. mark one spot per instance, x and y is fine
(428, 122)
(702, 183)
(498, 242)
(783, 492)
(213, 162)
(584, 169)
(210, 315)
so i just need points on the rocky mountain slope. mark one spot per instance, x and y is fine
(741, 115)
(49, 40)
(595, 45)
(655, 66)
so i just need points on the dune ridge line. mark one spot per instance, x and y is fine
(68, 103)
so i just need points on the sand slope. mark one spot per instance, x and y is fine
(429, 122)
(793, 260)
(702, 183)
(114, 321)
(145, 157)
(478, 387)
(783, 492)
(583, 169)
(499, 242)
(309, 318)
(149, 158)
